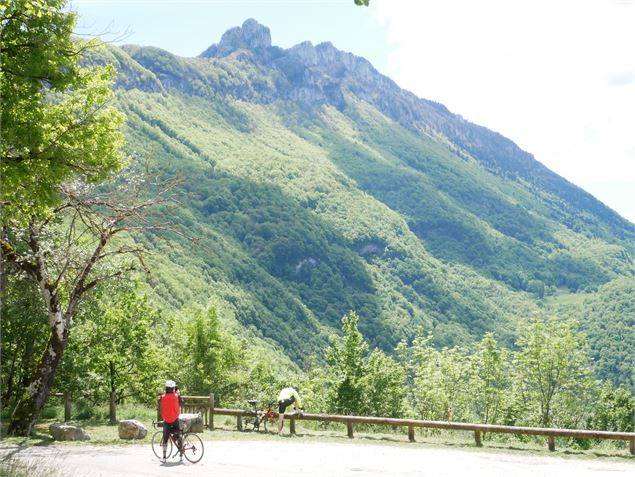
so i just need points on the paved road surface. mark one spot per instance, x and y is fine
(290, 458)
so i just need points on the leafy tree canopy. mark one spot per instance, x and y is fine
(55, 122)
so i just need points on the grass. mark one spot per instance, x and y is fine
(102, 433)
(566, 298)
(225, 429)
(12, 468)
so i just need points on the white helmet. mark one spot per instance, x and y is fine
(170, 384)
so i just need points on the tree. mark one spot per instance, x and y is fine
(213, 357)
(552, 371)
(55, 120)
(55, 126)
(489, 379)
(59, 140)
(383, 385)
(67, 255)
(114, 348)
(614, 411)
(24, 326)
(346, 358)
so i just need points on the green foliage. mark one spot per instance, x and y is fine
(114, 348)
(604, 316)
(359, 383)
(211, 360)
(552, 370)
(489, 380)
(346, 358)
(55, 122)
(383, 385)
(439, 380)
(24, 327)
(614, 410)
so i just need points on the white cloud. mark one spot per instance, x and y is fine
(555, 77)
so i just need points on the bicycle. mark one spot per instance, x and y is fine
(186, 444)
(259, 416)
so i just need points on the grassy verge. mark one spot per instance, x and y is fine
(102, 433)
(13, 468)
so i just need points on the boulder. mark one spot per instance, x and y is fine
(132, 429)
(65, 432)
(191, 423)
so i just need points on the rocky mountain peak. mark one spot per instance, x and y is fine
(251, 35)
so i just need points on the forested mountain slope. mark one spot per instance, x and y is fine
(314, 185)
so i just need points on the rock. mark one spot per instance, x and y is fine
(251, 36)
(65, 432)
(132, 429)
(191, 423)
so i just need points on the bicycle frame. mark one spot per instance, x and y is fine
(261, 415)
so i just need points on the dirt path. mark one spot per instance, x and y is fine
(287, 458)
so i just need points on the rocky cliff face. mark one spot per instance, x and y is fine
(251, 36)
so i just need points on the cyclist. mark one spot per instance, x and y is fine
(171, 403)
(287, 397)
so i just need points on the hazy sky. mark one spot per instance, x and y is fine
(557, 77)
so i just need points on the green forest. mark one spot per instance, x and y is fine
(246, 219)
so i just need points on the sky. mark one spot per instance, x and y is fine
(557, 77)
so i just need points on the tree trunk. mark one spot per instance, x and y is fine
(31, 402)
(8, 392)
(113, 394)
(27, 357)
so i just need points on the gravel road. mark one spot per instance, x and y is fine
(293, 458)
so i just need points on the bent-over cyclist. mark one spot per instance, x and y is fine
(287, 397)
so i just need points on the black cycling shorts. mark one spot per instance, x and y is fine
(168, 427)
(282, 405)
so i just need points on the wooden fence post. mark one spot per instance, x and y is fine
(67, 406)
(239, 422)
(552, 443)
(477, 438)
(210, 421)
(633, 446)
(292, 426)
(349, 429)
(411, 433)
(113, 407)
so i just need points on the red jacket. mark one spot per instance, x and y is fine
(170, 407)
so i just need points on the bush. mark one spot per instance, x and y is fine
(51, 412)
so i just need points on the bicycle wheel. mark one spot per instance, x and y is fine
(248, 423)
(157, 445)
(192, 447)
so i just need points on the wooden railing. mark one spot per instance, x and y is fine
(411, 424)
(68, 405)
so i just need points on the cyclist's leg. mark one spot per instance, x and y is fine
(282, 406)
(166, 437)
(178, 438)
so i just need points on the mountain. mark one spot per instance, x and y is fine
(315, 185)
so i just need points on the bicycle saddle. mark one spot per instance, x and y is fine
(252, 401)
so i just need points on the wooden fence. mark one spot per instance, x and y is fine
(67, 404)
(411, 424)
(205, 406)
